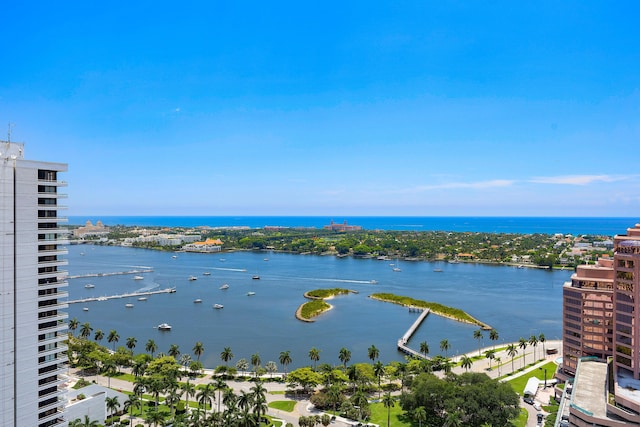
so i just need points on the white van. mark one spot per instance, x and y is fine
(537, 406)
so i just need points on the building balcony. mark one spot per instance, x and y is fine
(52, 195)
(62, 295)
(56, 415)
(53, 182)
(53, 263)
(54, 252)
(60, 403)
(55, 274)
(57, 239)
(52, 382)
(54, 219)
(48, 207)
(60, 393)
(59, 370)
(60, 327)
(59, 349)
(53, 340)
(51, 285)
(56, 306)
(61, 315)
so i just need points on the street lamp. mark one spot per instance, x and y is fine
(545, 377)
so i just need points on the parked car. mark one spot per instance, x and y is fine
(528, 400)
(537, 406)
(540, 418)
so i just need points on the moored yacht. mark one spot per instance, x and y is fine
(164, 327)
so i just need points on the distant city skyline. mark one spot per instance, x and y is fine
(500, 109)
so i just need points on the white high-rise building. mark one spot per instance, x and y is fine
(32, 291)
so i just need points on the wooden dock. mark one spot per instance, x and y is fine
(114, 273)
(132, 294)
(402, 342)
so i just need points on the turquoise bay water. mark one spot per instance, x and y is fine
(516, 302)
(524, 225)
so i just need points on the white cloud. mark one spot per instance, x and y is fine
(577, 179)
(496, 183)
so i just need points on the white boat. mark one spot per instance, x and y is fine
(142, 299)
(174, 256)
(396, 269)
(256, 277)
(197, 300)
(250, 294)
(437, 270)
(164, 327)
(89, 286)
(206, 273)
(138, 278)
(192, 278)
(129, 305)
(266, 259)
(218, 306)
(373, 282)
(85, 309)
(225, 286)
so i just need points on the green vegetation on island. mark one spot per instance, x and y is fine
(311, 309)
(326, 293)
(439, 309)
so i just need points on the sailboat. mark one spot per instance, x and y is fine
(397, 266)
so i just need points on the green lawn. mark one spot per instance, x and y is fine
(283, 405)
(520, 382)
(379, 415)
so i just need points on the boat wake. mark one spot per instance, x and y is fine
(229, 269)
(148, 288)
(319, 279)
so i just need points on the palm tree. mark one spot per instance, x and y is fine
(108, 368)
(378, 371)
(226, 355)
(373, 352)
(512, 351)
(542, 339)
(172, 397)
(131, 343)
(314, 355)
(205, 396)
(154, 417)
(522, 343)
(113, 338)
(189, 390)
(344, 356)
(73, 325)
(494, 336)
(490, 354)
(401, 370)
(85, 330)
(86, 423)
(185, 359)
(285, 359)
(533, 340)
(132, 402)
(198, 350)
(112, 404)
(424, 348)
(255, 362)
(420, 415)
(445, 346)
(151, 347)
(478, 335)
(242, 365)
(174, 351)
(259, 398)
(388, 401)
(98, 336)
(466, 362)
(498, 361)
(219, 385)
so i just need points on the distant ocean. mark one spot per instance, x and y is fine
(520, 225)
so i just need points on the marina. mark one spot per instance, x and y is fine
(134, 294)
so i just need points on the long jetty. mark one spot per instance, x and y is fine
(132, 294)
(402, 342)
(114, 273)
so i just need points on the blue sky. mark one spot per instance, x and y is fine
(330, 108)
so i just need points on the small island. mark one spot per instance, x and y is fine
(439, 309)
(318, 306)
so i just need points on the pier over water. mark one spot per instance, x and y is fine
(402, 342)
